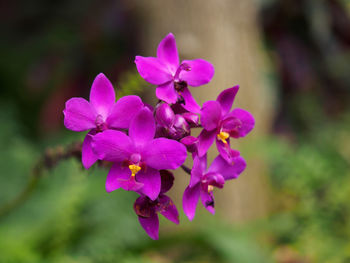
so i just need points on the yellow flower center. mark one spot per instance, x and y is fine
(223, 136)
(210, 188)
(134, 169)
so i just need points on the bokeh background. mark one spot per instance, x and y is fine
(291, 59)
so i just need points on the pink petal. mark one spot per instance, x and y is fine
(102, 95)
(247, 120)
(79, 115)
(153, 70)
(167, 52)
(226, 99)
(150, 225)
(208, 201)
(166, 92)
(226, 152)
(198, 169)
(119, 176)
(210, 115)
(190, 200)
(150, 178)
(201, 72)
(228, 171)
(206, 139)
(190, 104)
(142, 127)
(88, 157)
(170, 212)
(113, 146)
(164, 153)
(123, 111)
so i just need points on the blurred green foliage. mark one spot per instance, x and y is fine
(311, 180)
(70, 217)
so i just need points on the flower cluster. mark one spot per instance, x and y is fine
(143, 143)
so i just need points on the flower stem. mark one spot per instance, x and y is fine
(186, 169)
(47, 161)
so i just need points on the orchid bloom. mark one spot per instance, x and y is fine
(220, 123)
(204, 180)
(171, 77)
(147, 210)
(138, 157)
(100, 114)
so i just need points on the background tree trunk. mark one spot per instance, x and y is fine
(225, 33)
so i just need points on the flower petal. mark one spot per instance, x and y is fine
(226, 99)
(112, 145)
(79, 115)
(123, 111)
(167, 180)
(144, 207)
(119, 176)
(190, 200)
(198, 169)
(164, 153)
(210, 115)
(167, 92)
(102, 95)
(208, 201)
(226, 152)
(219, 165)
(201, 72)
(247, 120)
(170, 211)
(167, 52)
(206, 139)
(190, 104)
(88, 157)
(142, 127)
(150, 225)
(153, 70)
(150, 178)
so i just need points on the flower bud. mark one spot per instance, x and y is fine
(191, 118)
(180, 128)
(165, 115)
(190, 142)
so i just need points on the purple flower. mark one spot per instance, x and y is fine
(203, 181)
(100, 114)
(147, 210)
(220, 123)
(138, 157)
(171, 77)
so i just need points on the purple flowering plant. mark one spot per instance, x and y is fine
(143, 144)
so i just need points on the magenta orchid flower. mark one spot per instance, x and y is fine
(204, 180)
(138, 157)
(220, 123)
(171, 77)
(100, 114)
(147, 210)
